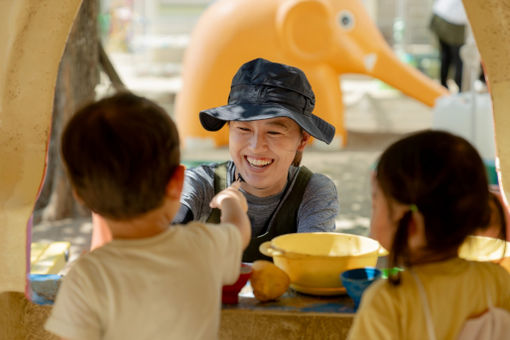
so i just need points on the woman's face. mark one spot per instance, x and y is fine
(263, 151)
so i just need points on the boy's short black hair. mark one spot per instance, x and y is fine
(120, 153)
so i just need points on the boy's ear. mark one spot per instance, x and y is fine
(304, 141)
(174, 186)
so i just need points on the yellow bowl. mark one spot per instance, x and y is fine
(482, 248)
(314, 261)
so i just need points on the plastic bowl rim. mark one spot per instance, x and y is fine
(293, 254)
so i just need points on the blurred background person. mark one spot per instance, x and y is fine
(448, 23)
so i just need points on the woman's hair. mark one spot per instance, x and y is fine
(298, 157)
(120, 153)
(443, 177)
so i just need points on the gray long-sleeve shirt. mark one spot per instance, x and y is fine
(317, 211)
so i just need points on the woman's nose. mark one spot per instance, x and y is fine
(258, 141)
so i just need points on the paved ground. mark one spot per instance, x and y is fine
(375, 116)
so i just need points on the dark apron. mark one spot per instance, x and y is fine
(285, 220)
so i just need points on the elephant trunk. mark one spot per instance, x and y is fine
(388, 68)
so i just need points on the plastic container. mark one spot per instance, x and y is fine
(482, 248)
(314, 261)
(230, 293)
(357, 280)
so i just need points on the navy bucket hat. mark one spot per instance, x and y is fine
(262, 89)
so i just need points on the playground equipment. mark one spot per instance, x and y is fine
(489, 22)
(324, 38)
(32, 38)
(27, 81)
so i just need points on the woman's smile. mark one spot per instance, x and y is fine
(258, 162)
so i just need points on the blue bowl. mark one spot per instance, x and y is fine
(357, 280)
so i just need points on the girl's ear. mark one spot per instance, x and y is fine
(174, 186)
(416, 228)
(304, 140)
(397, 210)
(416, 232)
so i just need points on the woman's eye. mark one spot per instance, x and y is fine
(243, 128)
(274, 133)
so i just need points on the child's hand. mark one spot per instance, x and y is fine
(233, 206)
(231, 193)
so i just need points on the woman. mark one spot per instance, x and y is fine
(270, 120)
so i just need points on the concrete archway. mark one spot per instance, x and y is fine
(489, 22)
(32, 39)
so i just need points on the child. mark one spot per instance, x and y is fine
(270, 120)
(151, 281)
(430, 192)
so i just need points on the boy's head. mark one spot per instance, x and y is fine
(120, 153)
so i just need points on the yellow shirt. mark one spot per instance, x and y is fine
(456, 290)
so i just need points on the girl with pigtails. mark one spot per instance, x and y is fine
(429, 193)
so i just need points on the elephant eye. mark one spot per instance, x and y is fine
(346, 20)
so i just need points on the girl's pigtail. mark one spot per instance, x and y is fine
(399, 249)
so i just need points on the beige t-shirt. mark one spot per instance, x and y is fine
(456, 290)
(163, 287)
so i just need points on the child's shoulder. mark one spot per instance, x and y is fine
(383, 296)
(490, 267)
(381, 290)
(84, 268)
(223, 239)
(207, 230)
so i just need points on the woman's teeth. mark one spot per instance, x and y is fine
(259, 162)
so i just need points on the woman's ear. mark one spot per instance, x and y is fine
(174, 186)
(304, 140)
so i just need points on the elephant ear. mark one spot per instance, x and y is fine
(305, 28)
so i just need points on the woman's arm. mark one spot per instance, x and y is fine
(183, 216)
(319, 207)
(197, 192)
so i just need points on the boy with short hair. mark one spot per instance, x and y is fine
(152, 281)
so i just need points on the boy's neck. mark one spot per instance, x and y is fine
(129, 230)
(147, 225)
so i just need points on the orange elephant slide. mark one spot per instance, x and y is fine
(324, 38)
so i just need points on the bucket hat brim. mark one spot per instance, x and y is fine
(213, 119)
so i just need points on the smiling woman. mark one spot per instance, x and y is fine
(270, 120)
(263, 151)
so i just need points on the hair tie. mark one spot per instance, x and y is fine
(413, 208)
